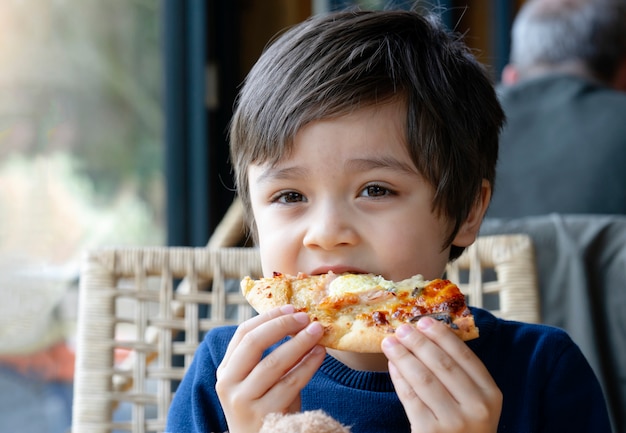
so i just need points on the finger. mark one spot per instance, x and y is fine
(451, 353)
(286, 392)
(249, 351)
(288, 363)
(449, 342)
(454, 363)
(431, 348)
(251, 324)
(415, 408)
(418, 380)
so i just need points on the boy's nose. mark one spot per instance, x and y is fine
(329, 228)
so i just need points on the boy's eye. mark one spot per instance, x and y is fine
(375, 191)
(289, 197)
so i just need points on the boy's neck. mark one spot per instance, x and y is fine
(360, 361)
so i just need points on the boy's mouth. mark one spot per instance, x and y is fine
(338, 269)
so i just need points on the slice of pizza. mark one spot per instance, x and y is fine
(358, 311)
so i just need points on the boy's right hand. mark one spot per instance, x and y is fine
(249, 386)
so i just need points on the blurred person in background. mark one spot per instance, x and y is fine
(563, 148)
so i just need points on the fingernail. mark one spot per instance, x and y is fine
(301, 317)
(403, 331)
(425, 322)
(389, 342)
(317, 350)
(287, 309)
(314, 328)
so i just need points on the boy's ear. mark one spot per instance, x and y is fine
(469, 229)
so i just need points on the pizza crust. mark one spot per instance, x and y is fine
(358, 337)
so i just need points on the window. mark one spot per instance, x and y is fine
(80, 147)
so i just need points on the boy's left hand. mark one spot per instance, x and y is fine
(442, 384)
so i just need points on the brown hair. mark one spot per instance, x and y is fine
(333, 64)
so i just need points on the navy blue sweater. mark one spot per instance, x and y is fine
(547, 385)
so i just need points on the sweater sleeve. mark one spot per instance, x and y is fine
(573, 397)
(547, 384)
(196, 407)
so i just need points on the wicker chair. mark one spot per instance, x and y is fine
(137, 289)
(499, 273)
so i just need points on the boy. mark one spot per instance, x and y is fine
(367, 142)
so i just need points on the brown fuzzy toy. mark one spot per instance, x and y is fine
(315, 421)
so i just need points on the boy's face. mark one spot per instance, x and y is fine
(348, 198)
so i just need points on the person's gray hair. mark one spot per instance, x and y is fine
(551, 33)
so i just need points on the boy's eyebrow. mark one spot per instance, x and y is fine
(362, 164)
(274, 173)
(356, 164)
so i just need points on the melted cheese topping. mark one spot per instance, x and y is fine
(358, 283)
